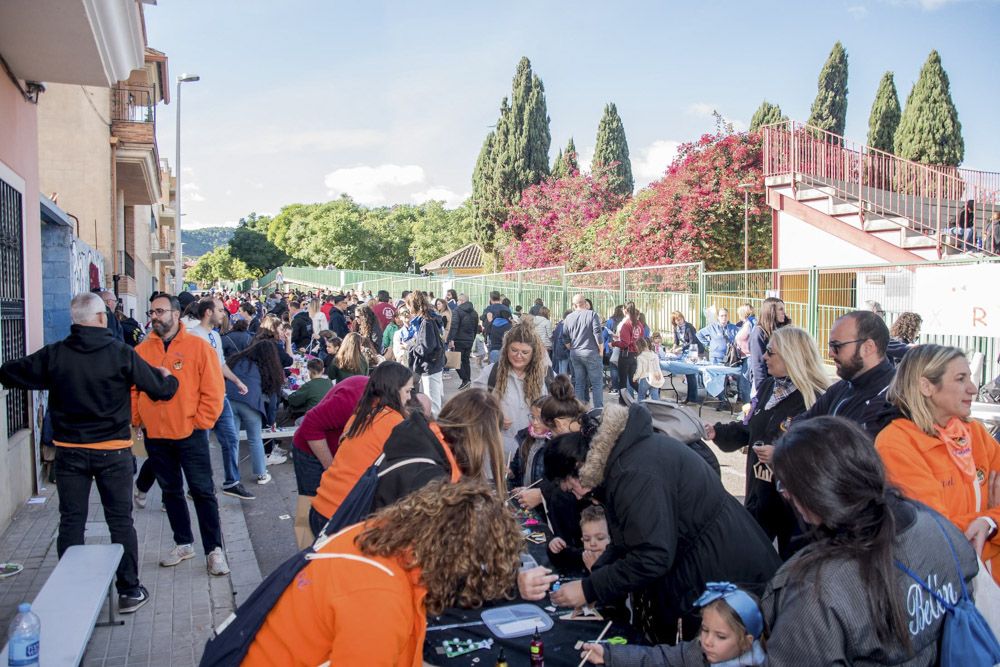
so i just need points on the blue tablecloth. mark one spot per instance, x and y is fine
(712, 375)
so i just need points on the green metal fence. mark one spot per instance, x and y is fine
(814, 297)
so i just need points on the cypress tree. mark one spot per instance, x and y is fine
(570, 157)
(929, 130)
(766, 114)
(829, 109)
(884, 118)
(611, 152)
(518, 154)
(558, 166)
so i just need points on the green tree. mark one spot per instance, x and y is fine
(829, 109)
(219, 265)
(514, 156)
(438, 231)
(929, 130)
(566, 163)
(611, 152)
(884, 118)
(250, 244)
(766, 114)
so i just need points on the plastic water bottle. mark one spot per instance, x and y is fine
(23, 639)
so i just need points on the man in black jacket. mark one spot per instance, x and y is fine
(338, 321)
(858, 341)
(462, 335)
(301, 326)
(89, 376)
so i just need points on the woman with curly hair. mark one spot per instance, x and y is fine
(365, 596)
(259, 369)
(366, 324)
(903, 335)
(350, 359)
(517, 379)
(271, 329)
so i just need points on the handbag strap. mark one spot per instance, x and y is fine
(958, 568)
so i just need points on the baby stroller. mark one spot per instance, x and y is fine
(680, 423)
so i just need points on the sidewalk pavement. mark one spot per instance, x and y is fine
(172, 628)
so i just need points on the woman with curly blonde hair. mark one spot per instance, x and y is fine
(517, 379)
(364, 597)
(903, 335)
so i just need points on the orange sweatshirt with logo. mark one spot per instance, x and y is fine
(353, 457)
(921, 467)
(345, 608)
(198, 401)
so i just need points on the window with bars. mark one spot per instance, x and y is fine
(12, 331)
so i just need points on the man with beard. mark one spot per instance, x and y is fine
(176, 431)
(858, 341)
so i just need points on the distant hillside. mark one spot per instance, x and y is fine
(197, 242)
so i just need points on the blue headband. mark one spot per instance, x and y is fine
(739, 601)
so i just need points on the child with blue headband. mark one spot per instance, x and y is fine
(732, 629)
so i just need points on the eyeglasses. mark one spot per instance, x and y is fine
(770, 351)
(521, 353)
(836, 345)
(779, 486)
(160, 312)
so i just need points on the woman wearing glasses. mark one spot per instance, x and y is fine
(796, 379)
(939, 456)
(517, 380)
(772, 317)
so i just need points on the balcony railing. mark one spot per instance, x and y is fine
(928, 196)
(133, 104)
(129, 265)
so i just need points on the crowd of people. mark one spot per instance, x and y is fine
(855, 487)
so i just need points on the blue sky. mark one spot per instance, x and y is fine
(390, 101)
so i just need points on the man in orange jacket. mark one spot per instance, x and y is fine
(176, 431)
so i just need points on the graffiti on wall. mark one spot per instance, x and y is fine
(86, 267)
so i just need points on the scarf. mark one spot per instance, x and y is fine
(958, 437)
(752, 658)
(783, 388)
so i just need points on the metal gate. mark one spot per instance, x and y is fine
(12, 334)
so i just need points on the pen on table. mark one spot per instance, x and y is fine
(511, 496)
(599, 638)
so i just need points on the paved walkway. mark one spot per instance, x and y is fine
(171, 629)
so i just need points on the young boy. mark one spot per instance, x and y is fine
(594, 527)
(312, 392)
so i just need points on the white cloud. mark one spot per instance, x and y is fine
(191, 192)
(271, 141)
(584, 156)
(858, 11)
(652, 161)
(384, 184)
(450, 198)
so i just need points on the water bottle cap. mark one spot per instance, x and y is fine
(24, 607)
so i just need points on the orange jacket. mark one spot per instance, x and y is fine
(352, 459)
(198, 401)
(920, 466)
(345, 609)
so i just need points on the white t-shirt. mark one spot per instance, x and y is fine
(210, 336)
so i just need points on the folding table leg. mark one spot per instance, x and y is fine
(112, 616)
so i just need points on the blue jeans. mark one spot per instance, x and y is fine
(112, 469)
(588, 371)
(228, 437)
(692, 388)
(645, 390)
(308, 471)
(251, 421)
(494, 356)
(615, 380)
(964, 236)
(743, 381)
(173, 462)
(561, 367)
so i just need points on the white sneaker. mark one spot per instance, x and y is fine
(275, 459)
(279, 450)
(140, 499)
(264, 479)
(217, 565)
(179, 553)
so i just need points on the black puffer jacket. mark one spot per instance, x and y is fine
(466, 326)
(861, 399)
(673, 526)
(302, 330)
(89, 375)
(412, 439)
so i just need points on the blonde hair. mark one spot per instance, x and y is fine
(470, 422)
(744, 311)
(534, 375)
(675, 317)
(922, 361)
(801, 356)
(349, 355)
(314, 307)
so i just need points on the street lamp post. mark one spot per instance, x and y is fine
(746, 224)
(178, 266)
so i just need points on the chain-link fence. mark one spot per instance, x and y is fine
(814, 297)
